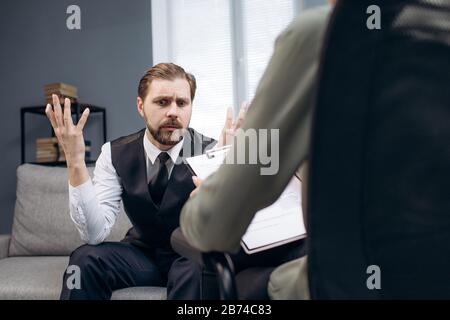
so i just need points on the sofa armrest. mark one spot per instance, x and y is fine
(4, 245)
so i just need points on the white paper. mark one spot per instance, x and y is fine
(280, 223)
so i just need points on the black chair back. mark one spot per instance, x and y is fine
(379, 188)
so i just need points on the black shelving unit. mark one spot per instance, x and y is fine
(76, 109)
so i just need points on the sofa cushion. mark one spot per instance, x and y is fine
(140, 293)
(40, 278)
(42, 223)
(32, 278)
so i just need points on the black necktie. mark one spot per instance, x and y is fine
(158, 185)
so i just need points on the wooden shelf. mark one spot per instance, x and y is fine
(77, 109)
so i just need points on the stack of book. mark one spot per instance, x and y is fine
(49, 150)
(63, 90)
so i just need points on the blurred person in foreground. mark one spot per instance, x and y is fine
(284, 101)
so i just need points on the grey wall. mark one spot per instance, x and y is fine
(105, 60)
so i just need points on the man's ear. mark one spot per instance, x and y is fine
(140, 106)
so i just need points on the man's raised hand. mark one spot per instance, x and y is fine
(70, 136)
(230, 127)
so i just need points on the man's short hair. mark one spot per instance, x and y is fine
(166, 71)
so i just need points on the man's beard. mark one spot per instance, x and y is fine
(167, 138)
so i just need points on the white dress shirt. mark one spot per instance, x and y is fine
(95, 204)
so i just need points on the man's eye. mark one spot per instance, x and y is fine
(181, 103)
(162, 102)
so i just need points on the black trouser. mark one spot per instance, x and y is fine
(111, 266)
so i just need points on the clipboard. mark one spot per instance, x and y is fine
(278, 224)
(217, 151)
(206, 164)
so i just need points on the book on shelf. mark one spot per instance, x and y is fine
(49, 99)
(61, 85)
(63, 90)
(49, 150)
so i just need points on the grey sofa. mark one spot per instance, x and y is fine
(34, 257)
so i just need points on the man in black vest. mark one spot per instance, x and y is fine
(145, 170)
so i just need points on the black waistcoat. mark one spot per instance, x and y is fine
(153, 225)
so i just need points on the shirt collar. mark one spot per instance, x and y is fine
(153, 152)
